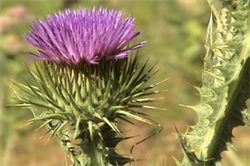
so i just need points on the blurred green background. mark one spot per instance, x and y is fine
(175, 31)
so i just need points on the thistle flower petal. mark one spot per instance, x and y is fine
(73, 37)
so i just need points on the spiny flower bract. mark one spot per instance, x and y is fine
(80, 36)
(81, 107)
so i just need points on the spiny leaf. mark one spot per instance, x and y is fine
(225, 82)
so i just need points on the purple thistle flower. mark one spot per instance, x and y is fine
(77, 36)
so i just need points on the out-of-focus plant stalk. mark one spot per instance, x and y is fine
(225, 84)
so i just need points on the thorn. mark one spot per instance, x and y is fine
(207, 72)
(164, 80)
(186, 106)
(155, 133)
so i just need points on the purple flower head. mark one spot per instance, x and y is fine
(77, 36)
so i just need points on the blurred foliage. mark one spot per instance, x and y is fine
(175, 31)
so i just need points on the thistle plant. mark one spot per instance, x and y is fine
(85, 80)
(87, 77)
(225, 84)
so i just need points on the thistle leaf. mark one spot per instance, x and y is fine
(225, 84)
